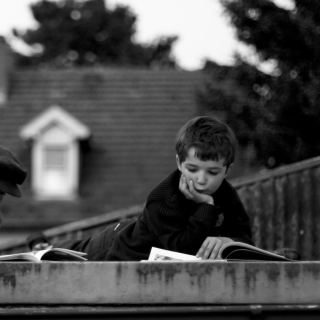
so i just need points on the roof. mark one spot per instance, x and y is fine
(133, 116)
(54, 114)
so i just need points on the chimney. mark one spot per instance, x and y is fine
(6, 63)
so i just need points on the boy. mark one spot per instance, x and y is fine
(193, 211)
(12, 173)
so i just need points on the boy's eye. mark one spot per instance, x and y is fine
(213, 173)
(191, 169)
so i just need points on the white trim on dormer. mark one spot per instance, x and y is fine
(54, 114)
(55, 153)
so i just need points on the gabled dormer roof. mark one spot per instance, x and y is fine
(54, 115)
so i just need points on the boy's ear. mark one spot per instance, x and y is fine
(178, 162)
(228, 169)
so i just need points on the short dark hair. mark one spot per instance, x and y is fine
(211, 138)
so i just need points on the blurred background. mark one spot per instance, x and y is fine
(199, 25)
(92, 93)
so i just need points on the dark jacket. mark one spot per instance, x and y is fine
(171, 221)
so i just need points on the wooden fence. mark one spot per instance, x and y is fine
(284, 206)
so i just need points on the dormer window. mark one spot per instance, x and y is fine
(55, 153)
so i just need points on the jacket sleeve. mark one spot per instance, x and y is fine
(175, 230)
(236, 224)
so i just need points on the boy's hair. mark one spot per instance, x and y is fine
(211, 138)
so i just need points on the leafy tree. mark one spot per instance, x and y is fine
(276, 114)
(77, 32)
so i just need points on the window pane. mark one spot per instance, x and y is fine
(55, 158)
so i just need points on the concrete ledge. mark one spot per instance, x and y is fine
(159, 283)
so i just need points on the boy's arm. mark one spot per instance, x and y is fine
(239, 229)
(236, 224)
(176, 230)
(235, 227)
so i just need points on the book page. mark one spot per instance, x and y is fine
(157, 254)
(60, 254)
(242, 252)
(26, 256)
(51, 254)
(73, 252)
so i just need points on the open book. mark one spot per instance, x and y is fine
(231, 251)
(50, 254)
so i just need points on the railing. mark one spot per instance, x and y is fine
(284, 206)
(76, 230)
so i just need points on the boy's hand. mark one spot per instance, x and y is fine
(211, 246)
(41, 246)
(191, 193)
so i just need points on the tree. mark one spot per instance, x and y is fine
(277, 113)
(77, 32)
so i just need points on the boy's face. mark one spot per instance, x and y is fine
(207, 176)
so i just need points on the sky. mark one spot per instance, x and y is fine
(201, 25)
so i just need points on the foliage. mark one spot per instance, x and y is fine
(78, 32)
(276, 114)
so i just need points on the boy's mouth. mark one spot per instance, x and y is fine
(200, 191)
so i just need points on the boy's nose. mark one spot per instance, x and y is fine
(201, 179)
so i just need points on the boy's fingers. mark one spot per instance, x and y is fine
(183, 182)
(202, 248)
(215, 250)
(199, 197)
(188, 194)
(180, 183)
(184, 188)
(193, 191)
(209, 250)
